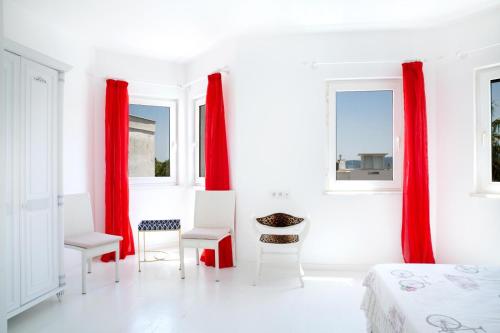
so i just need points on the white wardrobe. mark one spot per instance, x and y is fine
(32, 170)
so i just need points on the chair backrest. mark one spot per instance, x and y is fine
(279, 220)
(282, 224)
(77, 214)
(214, 209)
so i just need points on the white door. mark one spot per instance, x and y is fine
(38, 231)
(11, 71)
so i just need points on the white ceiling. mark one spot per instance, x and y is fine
(178, 30)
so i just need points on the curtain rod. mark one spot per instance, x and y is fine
(459, 54)
(222, 70)
(177, 85)
(315, 64)
(464, 54)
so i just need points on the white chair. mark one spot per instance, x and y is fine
(280, 234)
(213, 221)
(79, 235)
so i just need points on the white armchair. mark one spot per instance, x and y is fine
(213, 221)
(280, 234)
(79, 235)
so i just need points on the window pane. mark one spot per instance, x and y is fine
(149, 141)
(495, 130)
(201, 157)
(364, 135)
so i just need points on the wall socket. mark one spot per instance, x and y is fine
(280, 195)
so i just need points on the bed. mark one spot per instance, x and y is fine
(432, 299)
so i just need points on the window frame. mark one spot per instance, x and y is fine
(197, 102)
(366, 84)
(173, 151)
(483, 178)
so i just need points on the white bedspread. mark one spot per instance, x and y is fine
(433, 298)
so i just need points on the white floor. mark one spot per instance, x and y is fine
(157, 300)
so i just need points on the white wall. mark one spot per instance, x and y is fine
(277, 136)
(153, 78)
(25, 28)
(3, 233)
(277, 133)
(468, 227)
(276, 110)
(84, 114)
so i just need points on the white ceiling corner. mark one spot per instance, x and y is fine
(178, 30)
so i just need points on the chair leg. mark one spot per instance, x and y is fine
(117, 263)
(301, 271)
(258, 266)
(233, 248)
(180, 238)
(181, 255)
(139, 249)
(217, 263)
(90, 265)
(197, 256)
(84, 274)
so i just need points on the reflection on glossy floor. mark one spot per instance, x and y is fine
(156, 300)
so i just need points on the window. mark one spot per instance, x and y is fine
(487, 154)
(365, 130)
(152, 141)
(495, 129)
(199, 160)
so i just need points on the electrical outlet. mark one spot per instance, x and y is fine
(280, 194)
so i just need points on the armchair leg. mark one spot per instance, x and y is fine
(301, 271)
(181, 255)
(197, 257)
(90, 265)
(217, 263)
(258, 266)
(84, 274)
(117, 263)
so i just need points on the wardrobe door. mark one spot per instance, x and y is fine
(38, 180)
(11, 71)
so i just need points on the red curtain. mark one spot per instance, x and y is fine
(116, 126)
(415, 233)
(216, 160)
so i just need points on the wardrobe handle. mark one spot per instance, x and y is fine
(40, 79)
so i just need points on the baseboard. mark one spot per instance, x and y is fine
(316, 266)
(337, 267)
(277, 263)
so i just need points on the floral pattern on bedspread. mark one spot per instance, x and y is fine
(409, 281)
(420, 298)
(451, 325)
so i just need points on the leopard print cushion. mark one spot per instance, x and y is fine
(279, 239)
(279, 220)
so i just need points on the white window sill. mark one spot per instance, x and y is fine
(359, 192)
(152, 184)
(485, 195)
(199, 183)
